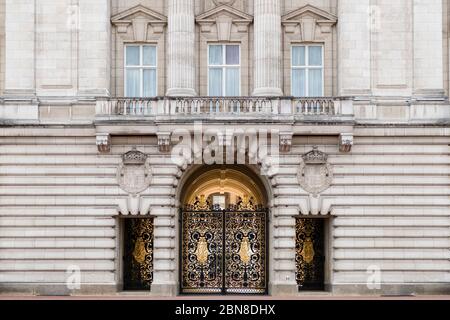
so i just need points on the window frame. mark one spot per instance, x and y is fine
(141, 67)
(307, 68)
(224, 67)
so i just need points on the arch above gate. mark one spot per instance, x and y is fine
(235, 181)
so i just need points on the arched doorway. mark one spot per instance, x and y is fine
(223, 232)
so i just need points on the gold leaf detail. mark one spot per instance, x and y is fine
(202, 250)
(308, 251)
(139, 250)
(244, 250)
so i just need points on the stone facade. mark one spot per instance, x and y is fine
(384, 126)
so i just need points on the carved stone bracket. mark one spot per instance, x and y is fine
(134, 205)
(103, 142)
(315, 205)
(164, 144)
(345, 142)
(285, 141)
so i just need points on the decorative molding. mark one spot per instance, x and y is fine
(103, 142)
(305, 20)
(345, 142)
(315, 157)
(224, 17)
(139, 17)
(286, 141)
(315, 174)
(134, 174)
(164, 142)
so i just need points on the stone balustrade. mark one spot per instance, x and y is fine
(323, 107)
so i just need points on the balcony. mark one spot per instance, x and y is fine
(186, 109)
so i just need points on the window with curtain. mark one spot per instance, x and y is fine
(140, 71)
(224, 70)
(307, 71)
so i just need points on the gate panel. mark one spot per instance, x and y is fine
(138, 257)
(202, 252)
(245, 255)
(310, 258)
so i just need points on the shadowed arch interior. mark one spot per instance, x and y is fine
(235, 181)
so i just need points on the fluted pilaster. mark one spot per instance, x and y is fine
(181, 48)
(267, 48)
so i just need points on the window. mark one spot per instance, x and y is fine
(224, 70)
(140, 71)
(219, 201)
(307, 71)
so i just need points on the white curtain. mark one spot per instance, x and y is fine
(215, 55)
(132, 56)
(149, 56)
(149, 83)
(298, 56)
(315, 82)
(133, 83)
(299, 82)
(315, 56)
(232, 82)
(215, 81)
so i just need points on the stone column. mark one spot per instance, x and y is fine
(20, 48)
(354, 47)
(267, 48)
(428, 48)
(181, 48)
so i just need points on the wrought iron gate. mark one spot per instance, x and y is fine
(138, 257)
(310, 258)
(224, 251)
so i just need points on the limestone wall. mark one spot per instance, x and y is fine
(59, 207)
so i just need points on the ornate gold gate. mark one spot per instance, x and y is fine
(223, 251)
(310, 258)
(138, 257)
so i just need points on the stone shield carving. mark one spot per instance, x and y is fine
(315, 174)
(134, 174)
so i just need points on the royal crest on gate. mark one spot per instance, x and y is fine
(134, 173)
(315, 174)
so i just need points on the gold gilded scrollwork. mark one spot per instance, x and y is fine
(139, 250)
(309, 255)
(138, 263)
(245, 251)
(308, 250)
(202, 250)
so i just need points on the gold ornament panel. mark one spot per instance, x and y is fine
(310, 253)
(138, 257)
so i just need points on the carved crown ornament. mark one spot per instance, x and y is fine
(139, 18)
(315, 174)
(134, 174)
(306, 21)
(222, 19)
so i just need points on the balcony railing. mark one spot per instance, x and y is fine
(225, 106)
